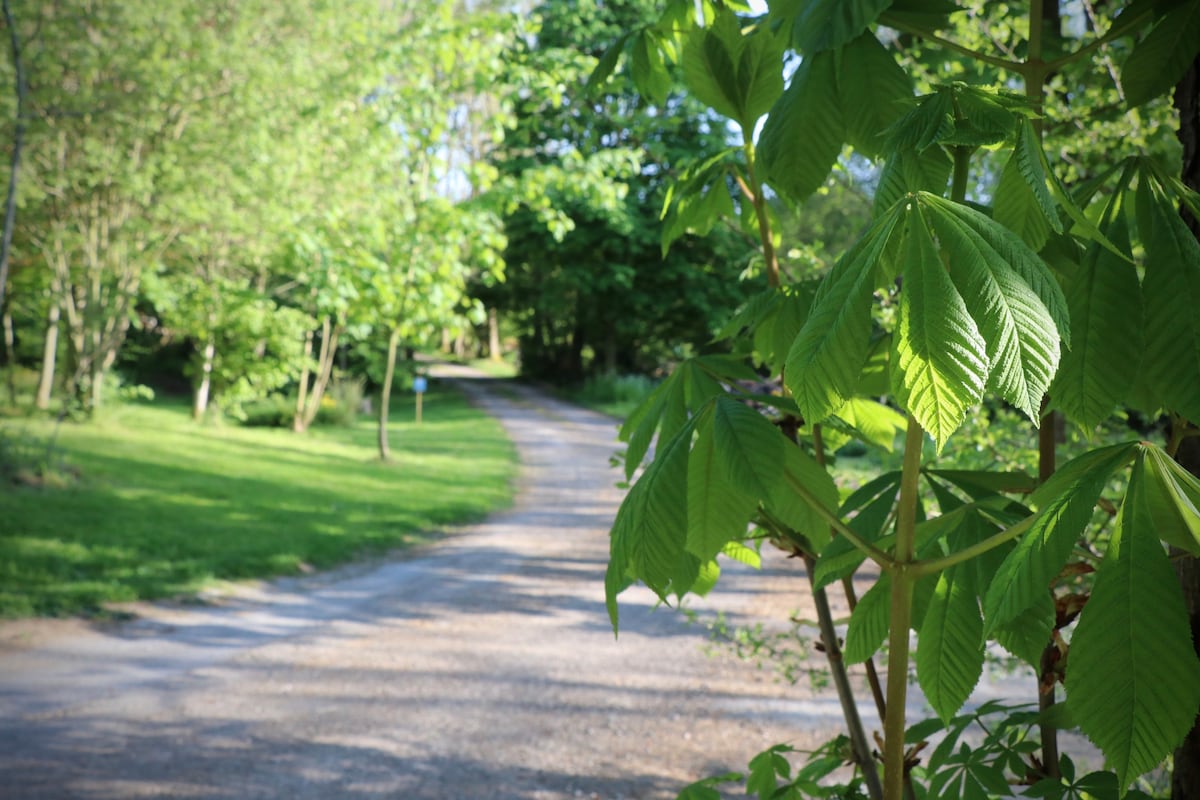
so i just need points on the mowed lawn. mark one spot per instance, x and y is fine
(164, 506)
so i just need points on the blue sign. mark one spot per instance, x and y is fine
(420, 385)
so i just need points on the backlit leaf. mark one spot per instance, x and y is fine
(1172, 496)
(940, 357)
(1009, 294)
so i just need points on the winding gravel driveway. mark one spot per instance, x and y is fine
(480, 667)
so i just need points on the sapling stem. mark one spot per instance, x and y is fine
(900, 617)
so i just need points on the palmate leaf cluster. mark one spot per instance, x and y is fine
(1076, 299)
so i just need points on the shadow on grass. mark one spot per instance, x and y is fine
(166, 506)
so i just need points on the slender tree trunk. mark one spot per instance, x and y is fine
(200, 404)
(10, 204)
(385, 396)
(302, 396)
(493, 322)
(1185, 780)
(10, 356)
(328, 352)
(49, 357)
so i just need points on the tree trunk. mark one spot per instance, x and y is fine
(1185, 780)
(200, 404)
(10, 357)
(329, 345)
(49, 358)
(298, 418)
(10, 205)
(385, 396)
(493, 323)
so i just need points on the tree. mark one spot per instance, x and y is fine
(586, 272)
(1021, 296)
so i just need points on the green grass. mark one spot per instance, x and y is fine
(163, 507)
(615, 395)
(494, 369)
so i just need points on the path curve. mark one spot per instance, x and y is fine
(480, 667)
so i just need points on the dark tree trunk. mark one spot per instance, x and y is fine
(1185, 781)
(10, 204)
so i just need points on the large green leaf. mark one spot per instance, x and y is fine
(1066, 502)
(907, 171)
(1027, 635)
(804, 133)
(1009, 293)
(1022, 202)
(658, 538)
(1160, 59)
(792, 509)
(708, 66)
(940, 356)
(868, 625)
(1171, 288)
(1104, 298)
(718, 510)
(950, 644)
(872, 89)
(649, 69)
(873, 422)
(958, 114)
(1172, 501)
(738, 75)
(848, 95)
(825, 362)
(819, 25)
(749, 446)
(1133, 685)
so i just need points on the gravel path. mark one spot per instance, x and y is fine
(481, 667)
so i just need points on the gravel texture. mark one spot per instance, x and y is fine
(480, 667)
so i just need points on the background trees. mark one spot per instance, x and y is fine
(588, 287)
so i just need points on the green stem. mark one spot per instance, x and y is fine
(933, 566)
(760, 211)
(962, 170)
(896, 23)
(1035, 70)
(900, 620)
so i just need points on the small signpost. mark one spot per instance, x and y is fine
(420, 384)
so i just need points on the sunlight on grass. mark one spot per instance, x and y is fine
(165, 506)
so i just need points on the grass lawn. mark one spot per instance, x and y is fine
(164, 507)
